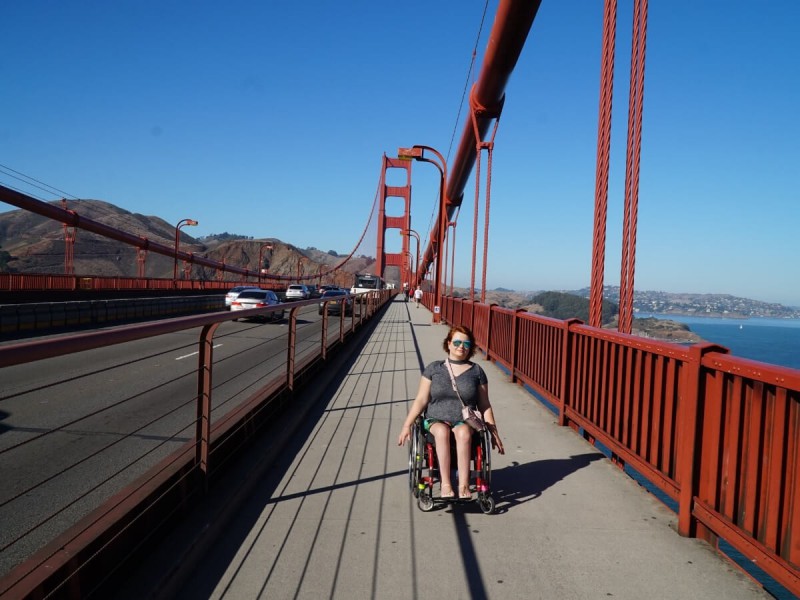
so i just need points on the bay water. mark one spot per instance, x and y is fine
(774, 341)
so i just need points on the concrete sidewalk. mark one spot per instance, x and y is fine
(335, 517)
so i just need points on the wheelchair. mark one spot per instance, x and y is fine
(423, 469)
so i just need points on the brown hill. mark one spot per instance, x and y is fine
(36, 245)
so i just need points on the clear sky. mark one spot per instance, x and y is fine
(269, 119)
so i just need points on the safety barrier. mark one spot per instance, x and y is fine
(16, 318)
(718, 434)
(181, 452)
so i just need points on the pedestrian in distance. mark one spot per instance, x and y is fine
(417, 296)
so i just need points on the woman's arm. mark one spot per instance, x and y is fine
(420, 402)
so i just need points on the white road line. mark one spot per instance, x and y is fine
(195, 353)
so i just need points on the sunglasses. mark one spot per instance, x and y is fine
(458, 343)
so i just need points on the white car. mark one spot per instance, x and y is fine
(234, 292)
(248, 299)
(298, 292)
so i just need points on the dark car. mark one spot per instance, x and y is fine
(258, 299)
(336, 299)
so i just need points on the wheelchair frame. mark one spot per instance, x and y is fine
(423, 470)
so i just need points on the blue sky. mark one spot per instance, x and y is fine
(269, 119)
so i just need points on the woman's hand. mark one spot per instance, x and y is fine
(405, 435)
(497, 443)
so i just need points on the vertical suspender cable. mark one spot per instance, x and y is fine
(603, 151)
(630, 218)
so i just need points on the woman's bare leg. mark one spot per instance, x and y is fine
(463, 435)
(441, 433)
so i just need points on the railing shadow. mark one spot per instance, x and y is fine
(523, 482)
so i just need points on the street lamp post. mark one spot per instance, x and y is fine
(411, 288)
(416, 264)
(268, 245)
(417, 152)
(181, 223)
(452, 256)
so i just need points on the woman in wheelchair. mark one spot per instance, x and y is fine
(440, 398)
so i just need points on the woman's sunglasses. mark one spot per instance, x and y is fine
(458, 343)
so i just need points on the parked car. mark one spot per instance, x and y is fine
(234, 292)
(335, 307)
(297, 292)
(258, 299)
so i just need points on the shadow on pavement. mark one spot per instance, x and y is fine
(519, 483)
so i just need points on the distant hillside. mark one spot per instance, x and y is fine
(35, 244)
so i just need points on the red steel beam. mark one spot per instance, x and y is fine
(512, 22)
(71, 218)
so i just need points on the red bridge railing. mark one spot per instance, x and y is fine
(70, 544)
(16, 282)
(718, 434)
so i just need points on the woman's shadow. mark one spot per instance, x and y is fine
(522, 482)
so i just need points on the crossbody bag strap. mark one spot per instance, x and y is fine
(453, 381)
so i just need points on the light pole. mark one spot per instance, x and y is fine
(417, 152)
(452, 256)
(416, 264)
(181, 223)
(260, 258)
(410, 261)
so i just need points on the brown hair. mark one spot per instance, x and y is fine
(460, 329)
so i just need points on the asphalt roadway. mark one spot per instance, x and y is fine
(334, 517)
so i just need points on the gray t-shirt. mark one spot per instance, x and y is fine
(444, 403)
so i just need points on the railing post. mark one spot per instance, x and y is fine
(472, 315)
(203, 423)
(342, 317)
(488, 329)
(324, 335)
(514, 343)
(566, 366)
(290, 350)
(689, 460)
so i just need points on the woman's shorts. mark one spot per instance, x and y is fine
(426, 424)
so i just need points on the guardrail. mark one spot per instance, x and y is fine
(718, 434)
(24, 318)
(17, 282)
(118, 503)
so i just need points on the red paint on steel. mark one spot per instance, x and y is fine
(717, 433)
(603, 153)
(400, 222)
(512, 23)
(630, 214)
(203, 427)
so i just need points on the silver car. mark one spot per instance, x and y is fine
(258, 299)
(298, 292)
(234, 292)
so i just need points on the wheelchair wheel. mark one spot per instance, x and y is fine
(486, 502)
(425, 501)
(415, 461)
(485, 471)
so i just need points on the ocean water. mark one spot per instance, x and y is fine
(774, 341)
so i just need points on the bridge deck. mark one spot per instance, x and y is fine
(335, 519)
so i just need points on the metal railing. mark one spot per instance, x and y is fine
(718, 434)
(182, 425)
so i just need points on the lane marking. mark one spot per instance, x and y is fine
(195, 353)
